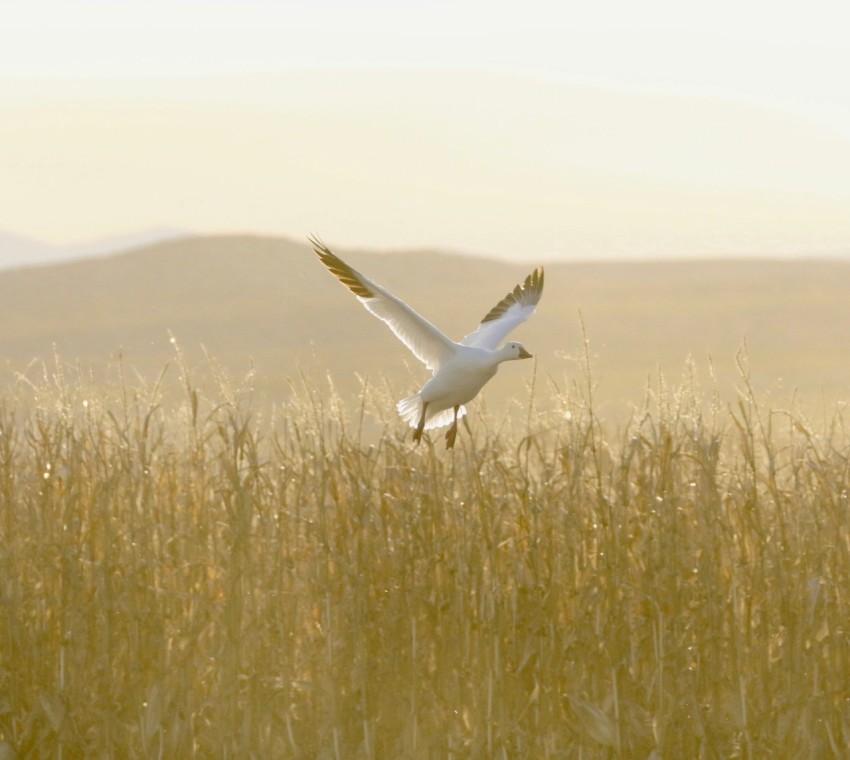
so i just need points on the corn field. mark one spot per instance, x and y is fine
(196, 579)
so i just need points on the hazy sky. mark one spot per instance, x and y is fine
(532, 129)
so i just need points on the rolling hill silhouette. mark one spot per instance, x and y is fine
(267, 303)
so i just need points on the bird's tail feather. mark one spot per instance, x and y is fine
(410, 410)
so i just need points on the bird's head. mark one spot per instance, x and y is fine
(515, 350)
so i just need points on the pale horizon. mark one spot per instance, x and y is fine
(606, 133)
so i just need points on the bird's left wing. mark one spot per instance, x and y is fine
(427, 343)
(512, 310)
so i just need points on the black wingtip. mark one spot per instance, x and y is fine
(529, 292)
(339, 269)
(534, 281)
(318, 246)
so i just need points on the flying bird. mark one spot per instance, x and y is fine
(459, 370)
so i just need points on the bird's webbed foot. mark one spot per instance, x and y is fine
(417, 434)
(451, 434)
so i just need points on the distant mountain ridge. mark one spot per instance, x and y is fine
(18, 251)
(267, 305)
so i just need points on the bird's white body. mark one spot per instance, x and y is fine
(461, 377)
(460, 370)
(457, 382)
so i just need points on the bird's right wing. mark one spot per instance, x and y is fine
(512, 310)
(427, 343)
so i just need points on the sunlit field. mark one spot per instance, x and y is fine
(203, 579)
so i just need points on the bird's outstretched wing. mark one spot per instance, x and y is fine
(427, 343)
(512, 310)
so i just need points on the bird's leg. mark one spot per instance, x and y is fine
(451, 433)
(417, 434)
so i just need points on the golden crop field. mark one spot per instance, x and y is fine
(200, 580)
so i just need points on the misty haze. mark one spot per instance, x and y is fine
(219, 539)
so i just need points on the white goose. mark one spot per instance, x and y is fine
(460, 369)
